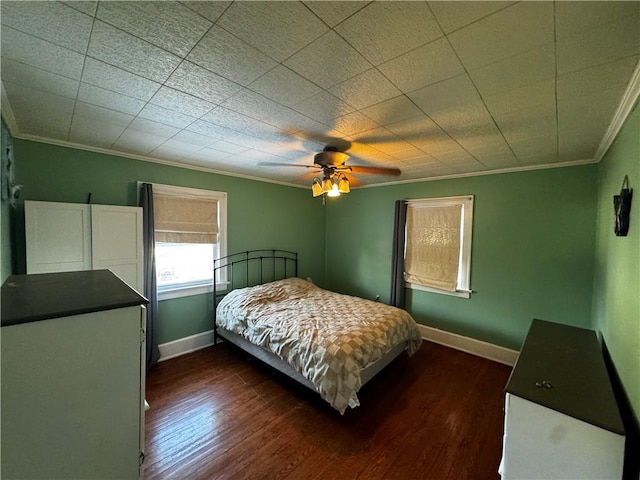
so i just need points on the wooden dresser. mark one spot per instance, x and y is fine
(561, 416)
(73, 377)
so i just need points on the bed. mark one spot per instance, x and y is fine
(329, 342)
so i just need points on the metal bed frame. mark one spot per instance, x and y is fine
(254, 267)
(249, 268)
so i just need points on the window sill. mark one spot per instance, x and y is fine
(187, 291)
(459, 294)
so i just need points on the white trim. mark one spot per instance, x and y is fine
(470, 345)
(545, 166)
(7, 112)
(629, 99)
(144, 158)
(486, 350)
(185, 345)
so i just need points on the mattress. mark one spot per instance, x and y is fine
(329, 338)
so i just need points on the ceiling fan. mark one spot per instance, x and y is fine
(336, 174)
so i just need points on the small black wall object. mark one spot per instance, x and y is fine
(622, 208)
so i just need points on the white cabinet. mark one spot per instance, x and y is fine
(64, 237)
(73, 377)
(561, 416)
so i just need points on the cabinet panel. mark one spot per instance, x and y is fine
(117, 242)
(58, 237)
(71, 396)
(64, 237)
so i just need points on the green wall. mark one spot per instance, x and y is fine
(616, 301)
(532, 251)
(260, 215)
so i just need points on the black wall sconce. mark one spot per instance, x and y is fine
(622, 208)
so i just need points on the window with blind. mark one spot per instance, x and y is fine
(190, 231)
(438, 245)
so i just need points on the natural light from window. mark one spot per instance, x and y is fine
(184, 264)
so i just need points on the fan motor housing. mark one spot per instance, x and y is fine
(330, 157)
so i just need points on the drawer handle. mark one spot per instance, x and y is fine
(544, 384)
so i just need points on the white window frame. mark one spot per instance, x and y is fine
(463, 288)
(165, 293)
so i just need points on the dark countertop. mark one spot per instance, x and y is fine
(570, 359)
(31, 298)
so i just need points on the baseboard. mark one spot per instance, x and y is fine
(466, 344)
(185, 345)
(470, 345)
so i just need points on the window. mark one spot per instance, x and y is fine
(438, 245)
(190, 231)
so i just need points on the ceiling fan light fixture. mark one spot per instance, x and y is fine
(334, 192)
(316, 188)
(327, 184)
(343, 184)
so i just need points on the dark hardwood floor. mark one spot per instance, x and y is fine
(216, 413)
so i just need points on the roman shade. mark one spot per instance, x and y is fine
(432, 254)
(182, 219)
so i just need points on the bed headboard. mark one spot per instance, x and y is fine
(249, 268)
(252, 267)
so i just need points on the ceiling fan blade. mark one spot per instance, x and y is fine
(375, 170)
(353, 181)
(282, 164)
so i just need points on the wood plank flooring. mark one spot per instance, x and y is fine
(218, 414)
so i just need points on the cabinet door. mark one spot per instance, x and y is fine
(58, 237)
(71, 397)
(117, 242)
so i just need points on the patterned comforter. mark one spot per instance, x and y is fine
(327, 337)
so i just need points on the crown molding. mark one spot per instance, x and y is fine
(7, 112)
(144, 158)
(544, 166)
(629, 99)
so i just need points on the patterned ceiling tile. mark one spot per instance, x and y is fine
(510, 31)
(166, 116)
(168, 25)
(117, 80)
(31, 77)
(366, 89)
(577, 17)
(85, 6)
(528, 83)
(138, 142)
(209, 10)
(225, 54)
(130, 53)
(603, 44)
(423, 66)
(324, 108)
(49, 21)
(39, 113)
(180, 102)
(284, 86)
(332, 13)
(530, 67)
(454, 15)
(257, 106)
(108, 99)
(392, 111)
(278, 29)
(202, 83)
(353, 123)
(97, 114)
(328, 61)
(38, 53)
(98, 134)
(384, 30)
